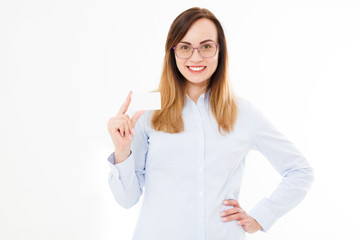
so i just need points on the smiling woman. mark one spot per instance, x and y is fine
(190, 155)
(206, 52)
(195, 61)
(188, 60)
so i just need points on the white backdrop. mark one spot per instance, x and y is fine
(66, 67)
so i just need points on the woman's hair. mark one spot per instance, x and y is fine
(173, 84)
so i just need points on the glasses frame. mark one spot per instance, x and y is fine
(193, 48)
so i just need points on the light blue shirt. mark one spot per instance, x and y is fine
(185, 177)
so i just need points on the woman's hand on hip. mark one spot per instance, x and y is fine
(248, 223)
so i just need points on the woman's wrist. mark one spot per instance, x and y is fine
(121, 155)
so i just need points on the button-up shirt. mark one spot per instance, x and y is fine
(185, 177)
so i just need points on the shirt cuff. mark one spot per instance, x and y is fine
(263, 215)
(121, 169)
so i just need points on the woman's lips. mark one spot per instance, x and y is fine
(196, 69)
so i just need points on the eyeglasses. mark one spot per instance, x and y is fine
(206, 50)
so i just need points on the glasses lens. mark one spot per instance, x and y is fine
(183, 51)
(208, 49)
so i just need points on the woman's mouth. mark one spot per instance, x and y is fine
(196, 69)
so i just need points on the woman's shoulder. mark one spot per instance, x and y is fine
(145, 119)
(243, 104)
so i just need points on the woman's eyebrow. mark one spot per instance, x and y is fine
(200, 42)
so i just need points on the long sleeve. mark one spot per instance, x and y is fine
(126, 179)
(199, 168)
(297, 175)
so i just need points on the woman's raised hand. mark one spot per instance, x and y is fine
(121, 130)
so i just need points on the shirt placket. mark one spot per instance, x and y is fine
(200, 170)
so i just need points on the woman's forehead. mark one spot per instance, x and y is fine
(200, 31)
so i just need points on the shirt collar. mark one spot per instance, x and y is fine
(203, 97)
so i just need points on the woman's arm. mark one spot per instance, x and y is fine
(297, 175)
(126, 179)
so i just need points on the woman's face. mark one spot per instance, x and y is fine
(197, 69)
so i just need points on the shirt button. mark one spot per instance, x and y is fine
(201, 219)
(201, 193)
(200, 169)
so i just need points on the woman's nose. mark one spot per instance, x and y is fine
(196, 57)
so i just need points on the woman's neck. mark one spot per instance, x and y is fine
(194, 92)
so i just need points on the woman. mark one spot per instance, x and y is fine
(190, 155)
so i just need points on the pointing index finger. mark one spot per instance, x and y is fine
(125, 105)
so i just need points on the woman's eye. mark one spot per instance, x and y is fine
(206, 46)
(184, 47)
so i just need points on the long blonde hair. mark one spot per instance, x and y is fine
(173, 84)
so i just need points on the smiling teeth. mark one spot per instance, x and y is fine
(196, 68)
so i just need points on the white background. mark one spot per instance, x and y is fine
(66, 67)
